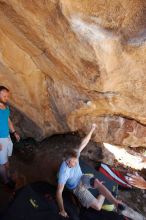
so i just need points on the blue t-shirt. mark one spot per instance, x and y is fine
(4, 125)
(70, 177)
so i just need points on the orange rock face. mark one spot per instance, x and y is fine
(70, 63)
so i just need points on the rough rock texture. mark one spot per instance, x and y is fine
(69, 63)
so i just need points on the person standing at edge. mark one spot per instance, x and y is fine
(6, 146)
(71, 176)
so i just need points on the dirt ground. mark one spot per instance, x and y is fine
(33, 161)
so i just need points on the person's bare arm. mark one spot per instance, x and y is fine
(86, 140)
(59, 199)
(136, 180)
(11, 126)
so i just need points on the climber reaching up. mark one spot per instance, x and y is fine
(71, 177)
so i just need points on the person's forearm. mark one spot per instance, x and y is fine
(88, 137)
(86, 140)
(105, 192)
(60, 202)
(11, 126)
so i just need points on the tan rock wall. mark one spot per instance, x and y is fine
(69, 63)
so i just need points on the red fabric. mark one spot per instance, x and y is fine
(118, 174)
